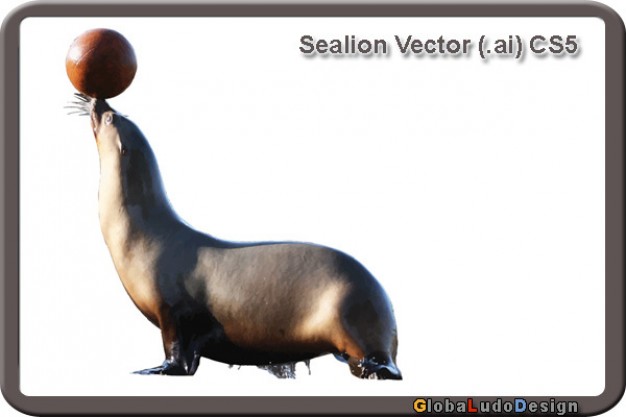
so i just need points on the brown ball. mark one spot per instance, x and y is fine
(101, 63)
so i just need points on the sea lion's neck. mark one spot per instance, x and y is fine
(132, 200)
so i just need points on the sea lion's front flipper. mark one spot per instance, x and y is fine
(181, 358)
(167, 368)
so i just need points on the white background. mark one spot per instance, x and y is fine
(473, 191)
(476, 217)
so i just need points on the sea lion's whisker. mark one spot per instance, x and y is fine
(80, 110)
(76, 107)
(82, 106)
(80, 113)
(82, 97)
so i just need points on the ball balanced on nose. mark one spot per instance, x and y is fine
(101, 63)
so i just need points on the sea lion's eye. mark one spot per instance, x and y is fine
(109, 119)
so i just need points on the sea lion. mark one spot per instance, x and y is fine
(263, 304)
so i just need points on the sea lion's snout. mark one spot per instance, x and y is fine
(96, 109)
(100, 106)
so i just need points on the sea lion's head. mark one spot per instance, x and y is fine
(127, 162)
(115, 134)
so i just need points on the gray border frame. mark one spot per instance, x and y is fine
(9, 209)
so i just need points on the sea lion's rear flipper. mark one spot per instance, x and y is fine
(375, 366)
